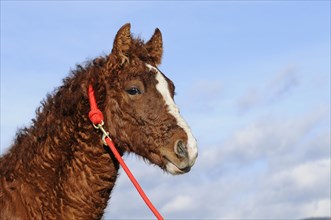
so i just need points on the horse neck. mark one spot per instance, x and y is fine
(62, 156)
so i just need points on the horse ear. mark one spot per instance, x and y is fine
(122, 41)
(155, 47)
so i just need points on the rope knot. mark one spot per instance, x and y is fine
(95, 116)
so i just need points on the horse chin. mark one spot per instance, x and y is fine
(173, 169)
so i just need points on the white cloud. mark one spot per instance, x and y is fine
(317, 208)
(272, 137)
(179, 204)
(249, 99)
(279, 85)
(293, 192)
(283, 81)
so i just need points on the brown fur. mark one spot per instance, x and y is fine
(58, 167)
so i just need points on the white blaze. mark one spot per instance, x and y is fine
(163, 87)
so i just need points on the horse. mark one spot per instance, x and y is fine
(59, 168)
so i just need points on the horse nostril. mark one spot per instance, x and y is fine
(186, 169)
(181, 149)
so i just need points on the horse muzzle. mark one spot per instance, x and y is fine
(184, 157)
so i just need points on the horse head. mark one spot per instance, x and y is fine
(139, 106)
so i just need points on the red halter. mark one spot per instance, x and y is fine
(96, 118)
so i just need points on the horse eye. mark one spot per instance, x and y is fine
(133, 91)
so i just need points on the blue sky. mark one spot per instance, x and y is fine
(252, 80)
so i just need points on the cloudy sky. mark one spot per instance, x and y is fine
(252, 80)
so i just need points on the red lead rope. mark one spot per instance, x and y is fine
(96, 118)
